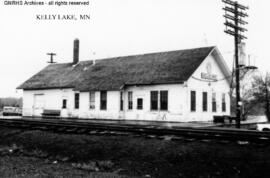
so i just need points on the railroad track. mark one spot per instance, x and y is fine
(65, 126)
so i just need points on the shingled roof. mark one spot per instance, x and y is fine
(115, 73)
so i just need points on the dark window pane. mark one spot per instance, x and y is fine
(163, 100)
(92, 99)
(193, 100)
(77, 100)
(223, 103)
(154, 100)
(214, 103)
(64, 106)
(121, 101)
(103, 100)
(204, 101)
(139, 103)
(130, 100)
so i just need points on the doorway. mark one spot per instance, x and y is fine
(39, 104)
(140, 112)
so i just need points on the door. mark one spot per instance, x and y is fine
(39, 104)
(140, 106)
(64, 112)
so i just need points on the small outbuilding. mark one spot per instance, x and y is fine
(182, 86)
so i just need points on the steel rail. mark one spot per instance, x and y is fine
(86, 127)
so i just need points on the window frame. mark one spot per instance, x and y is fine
(163, 93)
(130, 100)
(214, 102)
(204, 101)
(77, 101)
(64, 103)
(141, 106)
(223, 102)
(151, 100)
(193, 101)
(103, 102)
(121, 101)
(92, 100)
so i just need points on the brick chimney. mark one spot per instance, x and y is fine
(76, 51)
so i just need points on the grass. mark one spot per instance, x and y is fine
(139, 156)
(30, 167)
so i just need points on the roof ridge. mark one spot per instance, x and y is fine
(150, 68)
(137, 55)
(151, 53)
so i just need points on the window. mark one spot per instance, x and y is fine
(204, 101)
(92, 100)
(139, 103)
(163, 100)
(130, 98)
(193, 100)
(223, 102)
(154, 100)
(77, 100)
(103, 100)
(214, 103)
(64, 104)
(121, 101)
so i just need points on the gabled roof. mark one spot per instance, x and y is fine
(115, 73)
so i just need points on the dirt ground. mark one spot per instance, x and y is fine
(31, 167)
(46, 154)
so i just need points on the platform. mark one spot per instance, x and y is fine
(129, 122)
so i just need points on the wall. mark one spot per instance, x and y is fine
(198, 84)
(48, 99)
(113, 106)
(52, 99)
(178, 99)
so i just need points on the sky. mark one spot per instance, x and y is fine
(119, 28)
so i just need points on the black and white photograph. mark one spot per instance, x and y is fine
(134, 88)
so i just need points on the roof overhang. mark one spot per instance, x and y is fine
(149, 84)
(46, 88)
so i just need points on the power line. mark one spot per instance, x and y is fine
(234, 14)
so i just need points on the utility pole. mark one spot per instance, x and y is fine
(51, 59)
(234, 12)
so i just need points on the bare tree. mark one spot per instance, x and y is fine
(17, 102)
(261, 84)
(246, 92)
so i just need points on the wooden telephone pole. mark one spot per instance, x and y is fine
(234, 12)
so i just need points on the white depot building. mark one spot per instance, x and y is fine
(182, 86)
